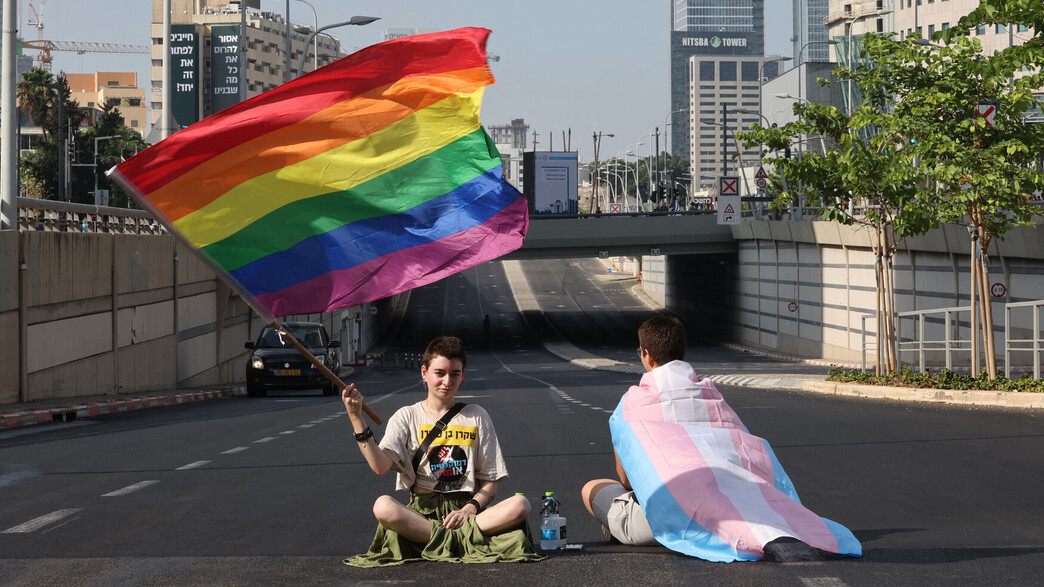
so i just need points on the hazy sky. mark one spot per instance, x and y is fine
(565, 64)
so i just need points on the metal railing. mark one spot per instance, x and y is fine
(865, 345)
(925, 337)
(55, 216)
(950, 342)
(1022, 345)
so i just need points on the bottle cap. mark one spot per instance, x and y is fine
(549, 493)
(520, 493)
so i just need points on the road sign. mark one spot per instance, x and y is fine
(614, 208)
(603, 254)
(728, 185)
(761, 173)
(998, 290)
(729, 209)
(988, 112)
(761, 182)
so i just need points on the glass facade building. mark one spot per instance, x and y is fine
(714, 29)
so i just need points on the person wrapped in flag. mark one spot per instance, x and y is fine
(691, 476)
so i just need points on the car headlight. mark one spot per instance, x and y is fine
(256, 363)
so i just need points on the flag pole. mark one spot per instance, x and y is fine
(323, 368)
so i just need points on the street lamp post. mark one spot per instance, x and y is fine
(96, 139)
(739, 150)
(315, 26)
(802, 77)
(356, 21)
(848, 41)
(761, 162)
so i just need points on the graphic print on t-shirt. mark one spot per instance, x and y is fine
(447, 458)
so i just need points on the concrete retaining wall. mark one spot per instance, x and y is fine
(86, 314)
(802, 287)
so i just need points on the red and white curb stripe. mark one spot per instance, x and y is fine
(10, 420)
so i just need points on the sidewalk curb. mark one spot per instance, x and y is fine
(1003, 399)
(21, 419)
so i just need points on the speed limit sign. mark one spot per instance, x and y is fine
(998, 290)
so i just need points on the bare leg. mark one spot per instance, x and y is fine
(400, 519)
(592, 488)
(504, 516)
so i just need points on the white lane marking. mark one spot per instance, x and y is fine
(306, 425)
(36, 524)
(822, 581)
(233, 451)
(288, 431)
(131, 488)
(194, 465)
(265, 439)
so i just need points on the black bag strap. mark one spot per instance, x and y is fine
(435, 431)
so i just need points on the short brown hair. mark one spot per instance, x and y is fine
(664, 338)
(450, 347)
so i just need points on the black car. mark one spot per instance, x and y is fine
(276, 364)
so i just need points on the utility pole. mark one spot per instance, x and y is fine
(167, 78)
(597, 138)
(724, 139)
(659, 191)
(9, 111)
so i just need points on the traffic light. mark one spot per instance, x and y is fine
(786, 152)
(71, 147)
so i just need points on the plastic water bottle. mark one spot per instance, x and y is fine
(552, 525)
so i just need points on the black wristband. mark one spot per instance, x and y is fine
(364, 435)
(474, 502)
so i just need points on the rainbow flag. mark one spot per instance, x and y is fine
(357, 181)
(707, 486)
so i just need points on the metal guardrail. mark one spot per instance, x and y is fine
(1033, 344)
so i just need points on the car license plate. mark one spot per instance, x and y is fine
(288, 372)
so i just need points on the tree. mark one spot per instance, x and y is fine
(110, 152)
(869, 162)
(41, 104)
(965, 113)
(919, 141)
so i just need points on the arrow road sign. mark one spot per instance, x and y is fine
(729, 209)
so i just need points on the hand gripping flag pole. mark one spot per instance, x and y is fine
(323, 368)
(358, 181)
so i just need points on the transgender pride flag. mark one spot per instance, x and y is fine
(362, 179)
(708, 487)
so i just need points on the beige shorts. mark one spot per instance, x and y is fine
(617, 509)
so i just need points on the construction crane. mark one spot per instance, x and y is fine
(37, 19)
(44, 47)
(43, 58)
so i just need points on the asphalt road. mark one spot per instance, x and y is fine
(273, 491)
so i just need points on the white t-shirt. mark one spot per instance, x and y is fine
(465, 451)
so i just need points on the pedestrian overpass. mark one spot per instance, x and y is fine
(625, 235)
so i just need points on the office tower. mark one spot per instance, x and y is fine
(708, 29)
(810, 32)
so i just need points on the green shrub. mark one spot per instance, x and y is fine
(944, 379)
